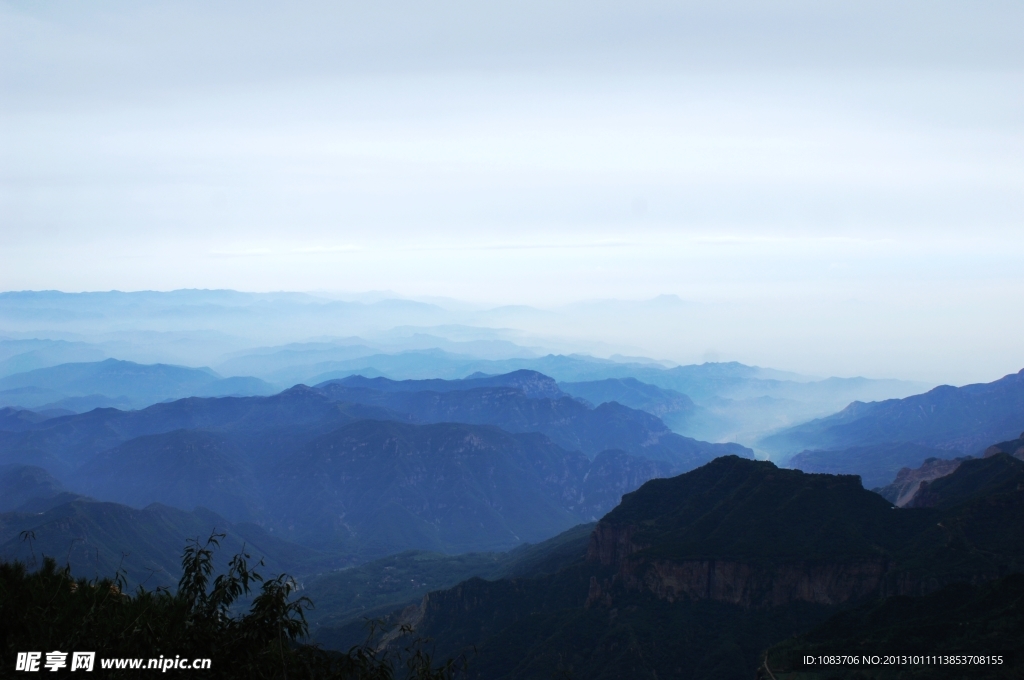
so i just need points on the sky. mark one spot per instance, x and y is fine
(838, 185)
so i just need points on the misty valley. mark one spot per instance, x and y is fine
(530, 516)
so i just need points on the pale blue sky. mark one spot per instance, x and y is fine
(780, 163)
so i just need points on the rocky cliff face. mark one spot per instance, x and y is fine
(1014, 447)
(749, 584)
(909, 481)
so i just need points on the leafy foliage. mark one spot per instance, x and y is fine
(49, 610)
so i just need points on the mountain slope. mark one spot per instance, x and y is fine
(956, 419)
(388, 486)
(182, 468)
(345, 598)
(98, 539)
(22, 483)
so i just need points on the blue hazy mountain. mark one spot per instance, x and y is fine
(374, 487)
(366, 471)
(64, 443)
(633, 393)
(532, 384)
(291, 338)
(964, 419)
(182, 468)
(122, 382)
(876, 464)
(16, 419)
(712, 420)
(735, 402)
(20, 484)
(19, 356)
(506, 401)
(875, 440)
(388, 486)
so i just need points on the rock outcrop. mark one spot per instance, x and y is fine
(909, 481)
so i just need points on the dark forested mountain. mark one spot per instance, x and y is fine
(961, 619)
(981, 507)
(696, 575)
(135, 384)
(910, 482)
(955, 419)
(980, 479)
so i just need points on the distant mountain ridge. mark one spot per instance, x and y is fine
(138, 385)
(633, 393)
(962, 419)
(18, 356)
(532, 384)
(876, 464)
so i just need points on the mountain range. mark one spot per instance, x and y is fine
(363, 468)
(877, 439)
(962, 419)
(527, 401)
(84, 386)
(732, 402)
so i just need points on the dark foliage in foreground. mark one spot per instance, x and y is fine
(49, 610)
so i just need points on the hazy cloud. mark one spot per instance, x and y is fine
(795, 160)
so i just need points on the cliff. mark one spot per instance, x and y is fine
(909, 481)
(747, 533)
